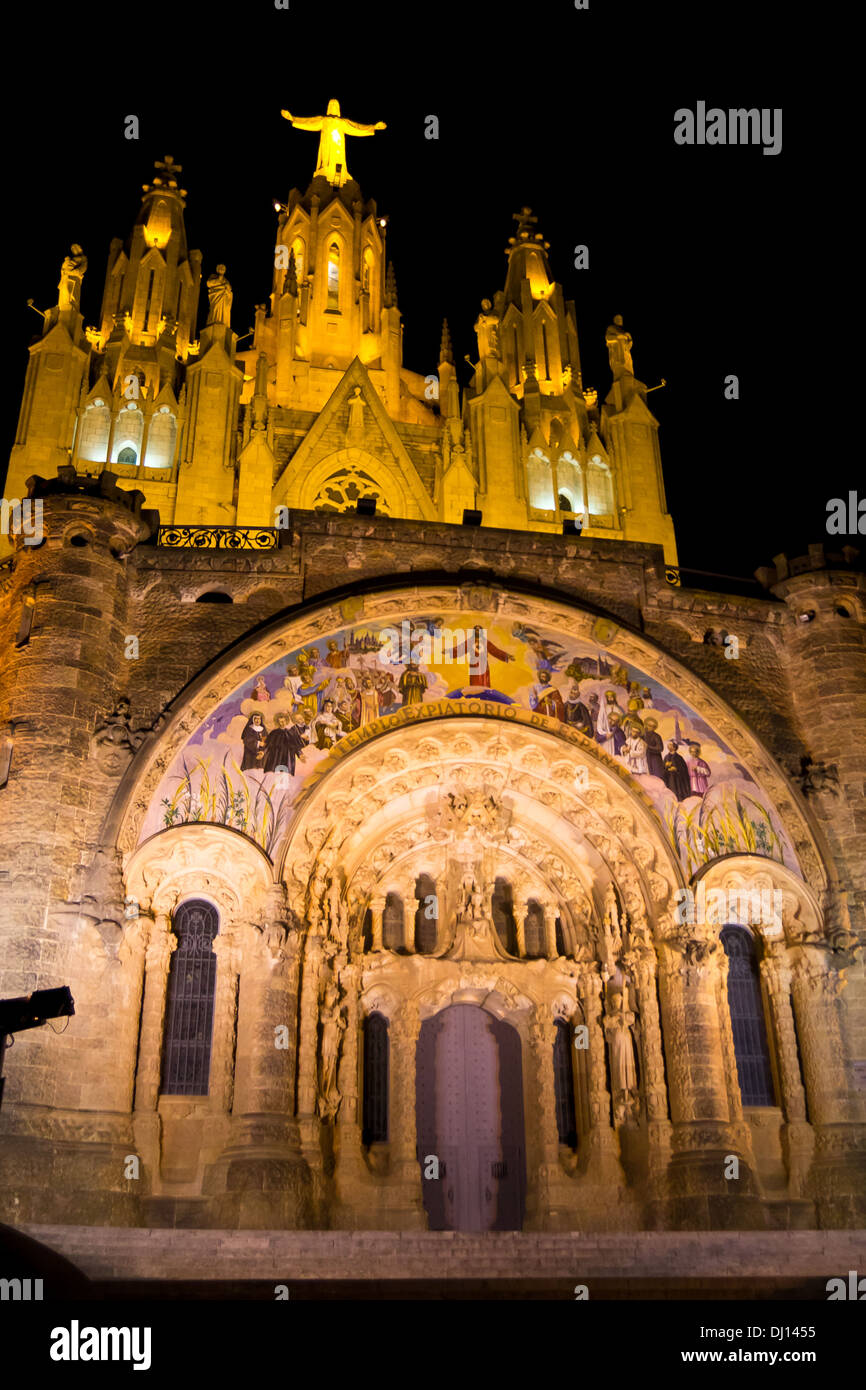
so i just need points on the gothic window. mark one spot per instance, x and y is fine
(599, 487)
(563, 1082)
(148, 301)
(190, 1002)
(333, 276)
(533, 929)
(426, 916)
(569, 479)
(161, 439)
(502, 905)
(546, 356)
(95, 427)
(375, 1107)
(299, 250)
(747, 1018)
(367, 281)
(340, 492)
(127, 455)
(563, 502)
(392, 923)
(541, 493)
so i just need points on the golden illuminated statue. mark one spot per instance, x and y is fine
(331, 163)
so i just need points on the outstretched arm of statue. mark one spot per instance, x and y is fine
(354, 128)
(304, 122)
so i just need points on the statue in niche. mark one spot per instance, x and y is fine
(71, 274)
(356, 413)
(613, 923)
(219, 292)
(333, 1026)
(619, 345)
(618, 1023)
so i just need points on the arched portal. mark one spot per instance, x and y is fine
(469, 1103)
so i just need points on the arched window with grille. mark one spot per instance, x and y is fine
(533, 929)
(375, 1108)
(426, 916)
(502, 904)
(392, 923)
(748, 1023)
(563, 1082)
(189, 1009)
(334, 276)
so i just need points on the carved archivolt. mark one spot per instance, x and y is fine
(207, 860)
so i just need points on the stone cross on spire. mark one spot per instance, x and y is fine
(525, 221)
(167, 174)
(331, 162)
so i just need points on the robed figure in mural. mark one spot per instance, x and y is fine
(253, 739)
(654, 749)
(676, 773)
(282, 745)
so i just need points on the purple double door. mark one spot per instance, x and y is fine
(469, 1098)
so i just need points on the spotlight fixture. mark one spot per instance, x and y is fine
(471, 518)
(806, 616)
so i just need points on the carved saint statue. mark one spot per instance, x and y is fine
(619, 345)
(333, 1026)
(219, 292)
(487, 328)
(618, 1024)
(356, 412)
(71, 275)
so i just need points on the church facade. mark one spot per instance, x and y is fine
(420, 852)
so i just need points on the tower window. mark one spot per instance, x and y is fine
(333, 276)
(375, 1107)
(147, 302)
(190, 1002)
(747, 1018)
(546, 358)
(127, 455)
(563, 502)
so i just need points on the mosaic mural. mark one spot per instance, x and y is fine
(245, 765)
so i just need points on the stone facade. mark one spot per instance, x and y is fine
(112, 667)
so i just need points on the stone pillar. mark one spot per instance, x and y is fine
(642, 966)
(261, 1178)
(377, 907)
(157, 960)
(225, 1012)
(352, 1178)
(405, 1201)
(162, 942)
(550, 915)
(837, 1180)
(599, 1160)
(797, 1135)
(520, 925)
(308, 1070)
(551, 1195)
(704, 1137)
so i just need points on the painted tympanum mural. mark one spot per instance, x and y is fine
(246, 764)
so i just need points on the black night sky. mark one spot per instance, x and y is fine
(716, 257)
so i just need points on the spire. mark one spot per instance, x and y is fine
(333, 129)
(390, 287)
(446, 352)
(527, 260)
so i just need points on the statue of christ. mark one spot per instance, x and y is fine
(331, 163)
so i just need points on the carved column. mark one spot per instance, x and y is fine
(351, 1175)
(377, 907)
(550, 915)
(797, 1136)
(520, 927)
(599, 1157)
(838, 1176)
(405, 1172)
(550, 1199)
(224, 1020)
(308, 1062)
(642, 966)
(701, 1197)
(261, 1177)
(162, 942)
